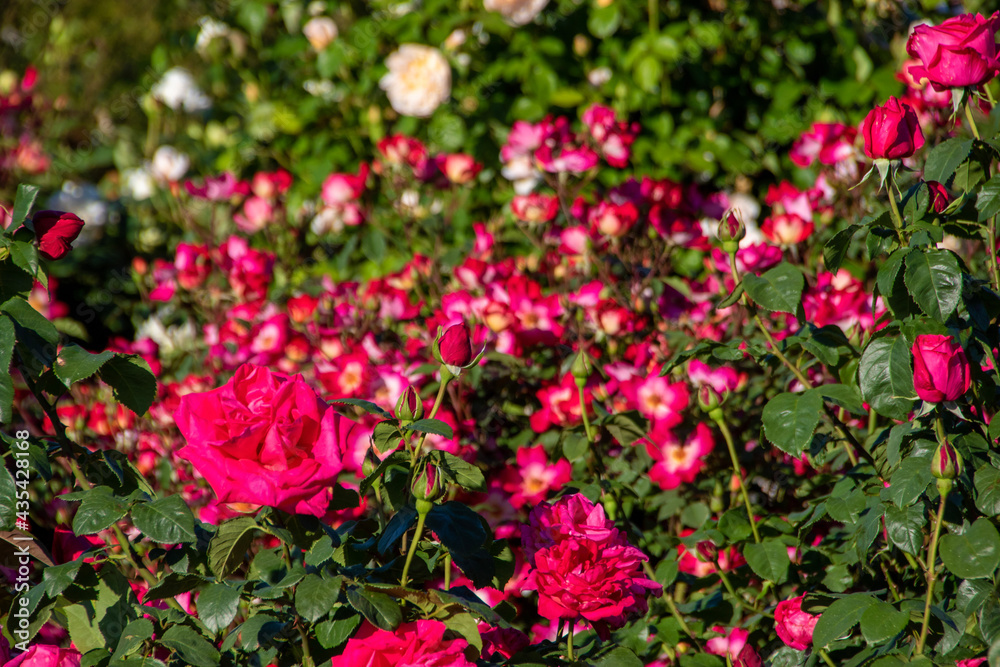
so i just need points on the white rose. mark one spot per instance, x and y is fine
(138, 183)
(518, 12)
(418, 81)
(169, 164)
(177, 89)
(320, 31)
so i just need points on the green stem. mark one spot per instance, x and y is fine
(307, 660)
(654, 16)
(972, 121)
(446, 377)
(931, 574)
(421, 518)
(897, 219)
(826, 657)
(569, 642)
(447, 571)
(583, 412)
(720, 422)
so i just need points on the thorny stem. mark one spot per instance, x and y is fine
(931, 574)
(307, 660)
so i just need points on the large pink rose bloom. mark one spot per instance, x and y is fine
(940, 368)
(962, 51)
(265, 438)
(794, 626)
(570, 517)
(45, 655)
(419, 644)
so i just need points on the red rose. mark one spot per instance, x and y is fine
(265, 438)
(892, 131)
(962, 51)
(939, 196)
(55, 231)
(794, 626)
(456, 345)
(940, 368)
(46, 655)
(419, 643)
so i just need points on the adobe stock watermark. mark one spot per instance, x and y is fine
(22, 479)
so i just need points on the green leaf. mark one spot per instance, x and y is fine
(395, 458)
(7, 340)
(910, 481)
(627, 427)
(988, 201)
(332, 634)
(844, 396)
(367, 406)
(315, 597)
(735, 525)
(881, 622)
(575, 446)
(604, 21)
(228, 547)
(136, 633)
(23, 201)
(463, 473)
(945, 159)
(840, 617)
(835, 249)
(975, 554)
(27, 317)
(25, 257)
(906, 527)
(380, 609)
(167, 520)
(217, 606)
(768, 559)
(790, 419)
(435, 426)
(733, 297)
(934, 281)
(190, 646)
(778, 290)
(173, 585)
(988, 488)
(58, 578)
(619, 657)
(99, 509)
(886, 377)
(131, 380)
(75, 363)
(8, 499)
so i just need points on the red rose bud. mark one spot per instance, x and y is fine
(409, 407)
(707, 551)
(892, 131)
(947, 462)
(939, 196)
(960, 52)
(711, 401)
(55, 231)
(731, 232)
(456, 345)
(940, 368)
(426, 485)
(748, 658)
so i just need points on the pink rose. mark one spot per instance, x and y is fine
(570, 517)
(45, 655)
(56, 231)
(962, 51)
(456, 345)
(794, 626)
(420, 644)
(940, 368)
(970, 662)
(265, 438)
(892, 131)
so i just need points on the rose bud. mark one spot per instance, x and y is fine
(426, 484)
(731, 232)
(960, 52)
(409, 407)
(940, 368)
(56, 231)
(947, 462)
(939, 196)
(455, 345)
(707, 551)
(892, 131)
(582, 367)
(794, 626)
(748, 658)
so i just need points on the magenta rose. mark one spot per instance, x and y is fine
(56, 231)
(421, 643)
(962, 51)
(892, 131)
(456, 345)
(46, 655)
(940, 368)
(265, 438)
(571, 517)
(794, 626)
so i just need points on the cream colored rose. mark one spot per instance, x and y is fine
(418, 81)
(320, 31)
(518, 12)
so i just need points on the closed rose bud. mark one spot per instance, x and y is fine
(426, 484)
(707, 551)
(409, 407)
(710, 401)
(56, 231)
(748, 658)
(892, 131)
(731, 232)
(939, 196)
(940, 368)
(455, 345)
(582, 367)
(947, 462)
